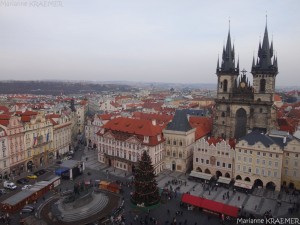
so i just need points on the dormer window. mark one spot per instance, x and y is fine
(146, 139)
(159, 137)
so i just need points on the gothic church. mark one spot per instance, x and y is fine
(241, 107)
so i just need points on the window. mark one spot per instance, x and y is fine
(277, 156)
(264, 154)
(229, 165)
(287, 154)
(257, 161)
(174, 142)
(239, 158)
(262, 85)
(245, 151)
(239, 168)
(258, 153)
(249, 170)
(275, 174)
(263, 171)
(264, 162)
(296, 155)
(270, 163)
(207, 161)
(269, 173)
(251, 152)
(257, 170)
(276, 164)
(202, 160)
(270, 155)
(244, 168)
(224, 165)
(245, 159)
(196, 159)
(250, 160)
(240, 150)
(295, 173)
(286, 162)
(218, 163)
(295, 163)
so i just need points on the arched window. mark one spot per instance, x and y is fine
(262, 87)
(223, 114)
(225, 86)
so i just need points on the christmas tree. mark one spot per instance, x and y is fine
(146, 191)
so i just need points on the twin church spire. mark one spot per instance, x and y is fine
(228, 58)
(264, 62)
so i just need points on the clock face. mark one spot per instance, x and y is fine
(243, 84)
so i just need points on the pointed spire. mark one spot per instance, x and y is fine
(218, 67)
(253, 62)
(265, 53)
(238, 63)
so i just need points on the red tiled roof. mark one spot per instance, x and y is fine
(105, 116)
(161, 119)
(277, 98)
(203, 125)
(29, 113)
(4, 109)
(25, 118)
(133, 126)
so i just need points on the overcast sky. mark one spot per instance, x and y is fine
(142, 40)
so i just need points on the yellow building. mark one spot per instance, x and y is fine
(38, 140)
(291, 164)
(61, 134)
(258, 160)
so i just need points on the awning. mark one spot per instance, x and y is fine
(224, 180)
(200, 175)
(211, 205)
(243, 184)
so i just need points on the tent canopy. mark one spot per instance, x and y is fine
(211, 205)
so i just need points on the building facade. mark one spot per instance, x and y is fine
(121, 142)
(38, 141)
(259, 159)
(291, 164)
(180, 139)
(16, 147)
(4, 156)
(241, 107)
(61, 134)
(214, 156)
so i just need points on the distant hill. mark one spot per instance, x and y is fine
(57, 87)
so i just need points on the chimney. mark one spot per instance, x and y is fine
(154, 122)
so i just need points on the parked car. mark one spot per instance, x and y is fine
(40, 172)
(2, 191)
(22, 181)
(31, 176)
(29, 207)
(27, 210)
(9, 185)
(26, 187)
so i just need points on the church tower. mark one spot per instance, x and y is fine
(241, 107)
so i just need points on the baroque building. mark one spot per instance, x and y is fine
(122, 141)
(241, 107)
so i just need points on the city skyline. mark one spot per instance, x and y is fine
(139, 41)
